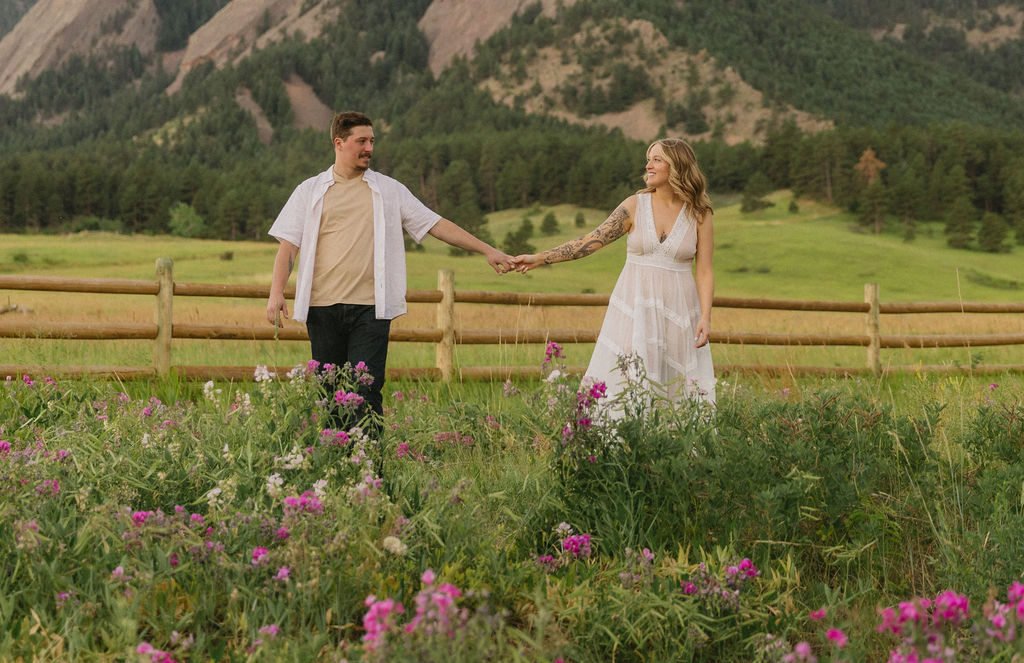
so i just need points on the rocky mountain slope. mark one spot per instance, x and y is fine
(54, 30)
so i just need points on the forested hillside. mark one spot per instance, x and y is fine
(922, 134)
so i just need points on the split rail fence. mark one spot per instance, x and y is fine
(446, 336)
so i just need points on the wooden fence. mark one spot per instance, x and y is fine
(446, 336)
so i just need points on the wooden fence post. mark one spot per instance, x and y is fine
(164, 305)
(446, 323)
(874, 334)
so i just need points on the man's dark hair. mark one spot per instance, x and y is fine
(342, 124)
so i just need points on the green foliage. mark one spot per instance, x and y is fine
(127, 516)
(517, 242)
(179, 19)
(186, 222)
(992, 233)
(549, 225)
(960, 221)
(757, 187)
(579, 220)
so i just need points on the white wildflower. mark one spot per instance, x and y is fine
(394, 545)
(209, 391)
(263, 374)
(275, 485)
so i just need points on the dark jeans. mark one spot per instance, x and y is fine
(351, 333)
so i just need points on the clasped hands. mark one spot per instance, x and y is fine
(504, 263)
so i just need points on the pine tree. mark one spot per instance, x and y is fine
(549, 225)
(517, 242)
(960, 219)
(580, 221)
(992, 233)
(757, 187)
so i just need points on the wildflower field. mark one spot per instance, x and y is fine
(855, 521)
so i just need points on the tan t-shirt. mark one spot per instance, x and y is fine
(343, 266)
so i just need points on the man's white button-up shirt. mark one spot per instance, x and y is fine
(394, 209)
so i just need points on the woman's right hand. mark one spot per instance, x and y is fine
(525, 262)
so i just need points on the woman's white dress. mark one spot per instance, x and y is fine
(654, 311)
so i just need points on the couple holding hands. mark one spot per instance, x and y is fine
(351, 282)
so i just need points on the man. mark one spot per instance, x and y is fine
(348, 221)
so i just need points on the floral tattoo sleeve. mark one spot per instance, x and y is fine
(610, 230)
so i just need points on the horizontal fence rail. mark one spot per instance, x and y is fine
(445, 335)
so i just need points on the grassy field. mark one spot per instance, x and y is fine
(811, 254)
(172, 521)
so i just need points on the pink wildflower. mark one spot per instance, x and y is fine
(377, 620)
(577, 545)
(818, 614)
(258, 555)
(837, 637)
(348, 400)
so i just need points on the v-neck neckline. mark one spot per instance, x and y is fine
(654, 226)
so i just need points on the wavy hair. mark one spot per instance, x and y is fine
(685, 177)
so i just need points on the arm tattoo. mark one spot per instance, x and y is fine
(613, 228)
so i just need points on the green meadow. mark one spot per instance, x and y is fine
(815, 253)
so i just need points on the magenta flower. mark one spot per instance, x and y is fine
(951, 608)
(307, 502)
(378, 620)
(282, 574)
(348, 400)
(818, 614)
(258, 555)
(338, 438)
(837, 637)
(50, 486)
(577, 545)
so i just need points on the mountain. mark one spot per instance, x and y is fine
(11, 12)
(53, 31)
(486, 104)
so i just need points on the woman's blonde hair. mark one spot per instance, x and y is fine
(685, 177)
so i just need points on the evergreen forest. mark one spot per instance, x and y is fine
(928, 129)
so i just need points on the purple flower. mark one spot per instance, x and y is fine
(553, 351)
(577, 545)
(258, 555)
(348, 400)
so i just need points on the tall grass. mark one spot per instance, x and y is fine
(222, 522)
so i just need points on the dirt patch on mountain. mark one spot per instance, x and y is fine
(990, 28)
(310, 112)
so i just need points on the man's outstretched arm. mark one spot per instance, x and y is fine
(450, 233)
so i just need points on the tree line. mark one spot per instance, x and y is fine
(127, 157)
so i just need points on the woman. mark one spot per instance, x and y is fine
(658, 311)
